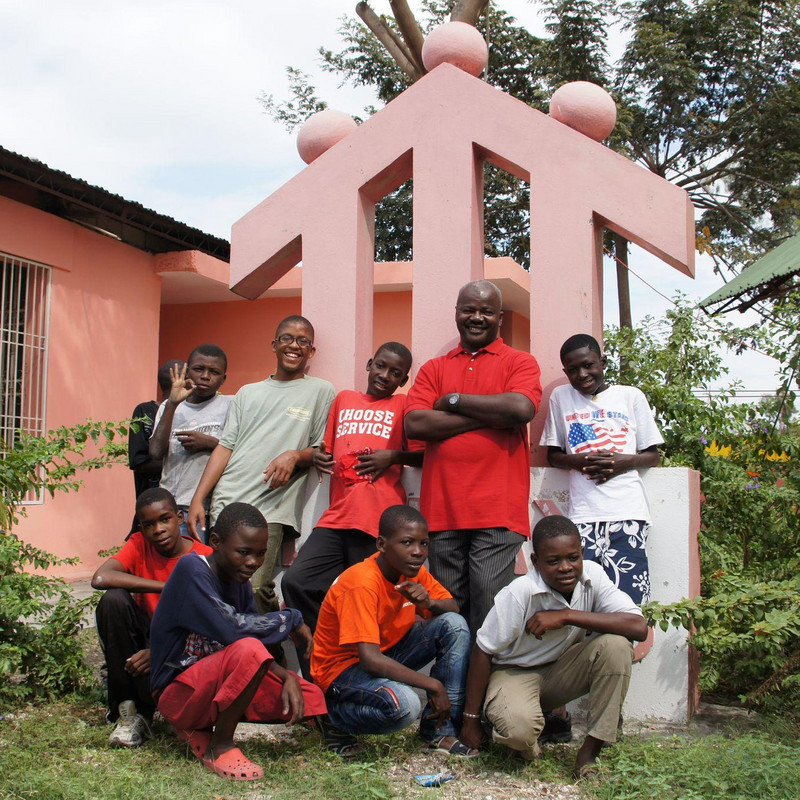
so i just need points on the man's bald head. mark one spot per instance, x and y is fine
(484, 288)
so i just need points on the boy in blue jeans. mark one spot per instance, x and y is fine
(369, 647)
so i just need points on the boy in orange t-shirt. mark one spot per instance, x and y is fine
(133, 579)
(369, 645)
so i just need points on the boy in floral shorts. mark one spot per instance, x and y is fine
(603, 435)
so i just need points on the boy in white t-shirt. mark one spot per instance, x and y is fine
(603, 434)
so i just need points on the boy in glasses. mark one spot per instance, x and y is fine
(266, 448)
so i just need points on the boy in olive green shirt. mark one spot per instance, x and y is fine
(267, 446)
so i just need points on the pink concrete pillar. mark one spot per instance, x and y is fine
(448, 239)
(571, 304)
(338, 300)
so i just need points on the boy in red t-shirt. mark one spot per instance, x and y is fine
(133, 580)
(367, 452)
(369, 645)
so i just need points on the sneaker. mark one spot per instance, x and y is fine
(556, 729)
(336, 740)
(131, 727)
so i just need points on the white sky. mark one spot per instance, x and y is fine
(157, 102)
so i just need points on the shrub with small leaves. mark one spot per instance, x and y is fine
(746, 623)
(40, 654)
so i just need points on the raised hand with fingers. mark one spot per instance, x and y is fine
(182, 386)
(440, 704)
(138, 663)
(292, 700)
(374, 464)
(543, 621)
(415, 592)
(281, 468)
(195, 441)
(303, 640)
(196, 520)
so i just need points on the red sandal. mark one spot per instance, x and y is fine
(234, 765)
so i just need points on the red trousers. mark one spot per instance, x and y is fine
(194, 700)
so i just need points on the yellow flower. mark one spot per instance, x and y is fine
(715, 451)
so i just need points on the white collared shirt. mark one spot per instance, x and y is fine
(503, 633)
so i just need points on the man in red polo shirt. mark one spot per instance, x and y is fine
(473, 406)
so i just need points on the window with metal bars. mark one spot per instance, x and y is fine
(24, 320)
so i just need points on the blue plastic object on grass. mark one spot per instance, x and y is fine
(430, 781)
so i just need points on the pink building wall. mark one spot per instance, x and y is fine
(103, 343)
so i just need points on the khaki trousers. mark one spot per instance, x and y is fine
(517, 696)
(263, 584)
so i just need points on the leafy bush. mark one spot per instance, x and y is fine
(39, 620)
(40, 654)
(746, 623)
(32, 464)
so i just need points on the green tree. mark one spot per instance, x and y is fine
(577, 50)
(712, 91)
(708, 95)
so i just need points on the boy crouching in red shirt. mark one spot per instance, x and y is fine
(132, 581)
(210, 663)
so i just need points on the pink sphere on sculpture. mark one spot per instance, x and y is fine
(586, 107)
(456, 43)
(321, 131)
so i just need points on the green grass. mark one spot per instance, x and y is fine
(60, 750)
(753, 766)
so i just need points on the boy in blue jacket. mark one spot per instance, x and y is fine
(210, 665)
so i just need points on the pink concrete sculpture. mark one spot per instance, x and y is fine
(321, 131)
(441, 131)
(456, 43)
(585, 107)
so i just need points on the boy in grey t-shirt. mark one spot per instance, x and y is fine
(267, 446)
(188, 424)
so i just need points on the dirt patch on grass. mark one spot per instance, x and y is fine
(473, 780)
(495, 775)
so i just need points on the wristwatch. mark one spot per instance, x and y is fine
(452, 401)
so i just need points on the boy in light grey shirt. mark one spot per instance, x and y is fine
(188, 423)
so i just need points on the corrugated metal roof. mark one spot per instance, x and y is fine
(769, 271)
(34, 183)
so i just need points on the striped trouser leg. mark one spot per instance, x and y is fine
(473, 565)
(492, 558)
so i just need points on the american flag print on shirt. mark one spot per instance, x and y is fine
(592, 436)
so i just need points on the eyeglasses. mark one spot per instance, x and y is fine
(302, 341)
